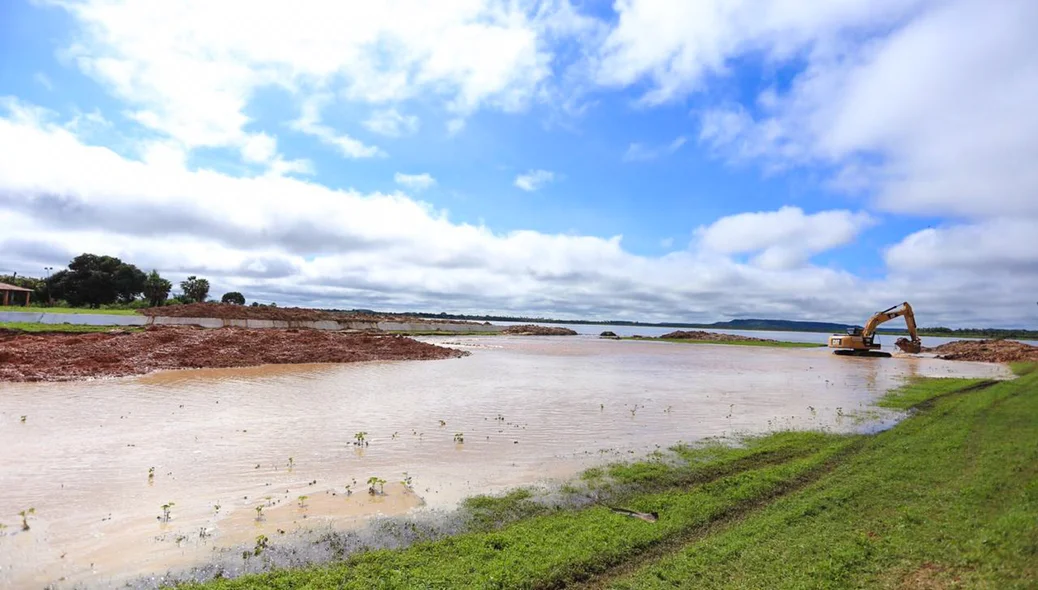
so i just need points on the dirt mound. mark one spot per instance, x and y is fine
(532, 330)
(242, 312)
(991, 351)
(65, 357)
(710, 337)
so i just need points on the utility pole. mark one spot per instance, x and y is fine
(46, 282)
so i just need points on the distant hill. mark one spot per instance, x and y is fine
(778, 325)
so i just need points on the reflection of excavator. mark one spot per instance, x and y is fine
(859, 341)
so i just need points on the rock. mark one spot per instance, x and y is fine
(610, 335)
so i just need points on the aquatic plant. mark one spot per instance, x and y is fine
(459, 437)
(376, 481)
(259, 513)
(216, 508)
(442, 423)
(262, 543)
(407, 481)
(23, 419)
(151, 475)
(291, 462)
(25, 514)
(302, 501)
(360, 439)
(349, 489)
(167, 512)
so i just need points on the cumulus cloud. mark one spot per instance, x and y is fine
(639, 152)
(416, 182)
(391, 123)
(309, 123)
(782, 239)
(534, 179)
(343, 248)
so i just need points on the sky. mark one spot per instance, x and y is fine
(681, 160)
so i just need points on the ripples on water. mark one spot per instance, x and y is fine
(526, 407)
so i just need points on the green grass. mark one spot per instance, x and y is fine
(76, 310)
(948, 498)
(771, 343)
(75, 328)
(950, 493)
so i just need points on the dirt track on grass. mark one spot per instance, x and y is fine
(68, 356)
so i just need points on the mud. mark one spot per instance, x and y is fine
(990, 351)
(67, 357)
(533, 330)
(710, 337)
(244, 312)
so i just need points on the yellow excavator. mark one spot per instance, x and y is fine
(859, 341)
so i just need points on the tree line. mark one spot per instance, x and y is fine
(92, 281)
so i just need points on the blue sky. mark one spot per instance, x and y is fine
(645, 159)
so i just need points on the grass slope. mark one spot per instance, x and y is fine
(948, 494)
(948, 498)
(73, 310)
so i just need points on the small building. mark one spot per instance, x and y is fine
(10, 292)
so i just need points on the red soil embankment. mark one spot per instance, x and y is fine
(66, 357)
(533, 330)
(710, 337)
(990, 351)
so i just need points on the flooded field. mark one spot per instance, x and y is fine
(142, 475)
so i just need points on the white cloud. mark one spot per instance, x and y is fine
(43, 80)
(416, 182)
(935, 118)
(309, 123)
(189, 69)
(782, 239)
(59, 197)
(454, 126)
(259, 147)
(639, 152)
(391, 123)
(677, 44)
(534, 179)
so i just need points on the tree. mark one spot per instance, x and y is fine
(195, 289)
(233, 297)
(94, 280)
(156, 289)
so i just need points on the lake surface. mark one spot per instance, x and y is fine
(529, 410)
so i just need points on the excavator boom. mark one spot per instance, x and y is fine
(862, 341)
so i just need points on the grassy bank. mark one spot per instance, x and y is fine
(76, 310)
(734, 342)
(949, 495)
(75, 328)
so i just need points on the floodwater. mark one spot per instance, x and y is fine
(224, 442)
(887, 340)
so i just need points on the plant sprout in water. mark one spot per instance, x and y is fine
(167, 509)
(151, 475)
(442, 423)
(302, 501)
(376, 481)
(459, 437)
(259, 513)
(25, 514)
(407, 481)
(216, 508)
(23, 419)
(261, 543)
(360, 439)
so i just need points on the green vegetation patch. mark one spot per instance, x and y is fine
(77, 310)
(948, 498)
(71, 328)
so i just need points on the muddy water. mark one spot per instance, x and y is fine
(527, 409)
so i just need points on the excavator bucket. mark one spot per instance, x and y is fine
(909, 346)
